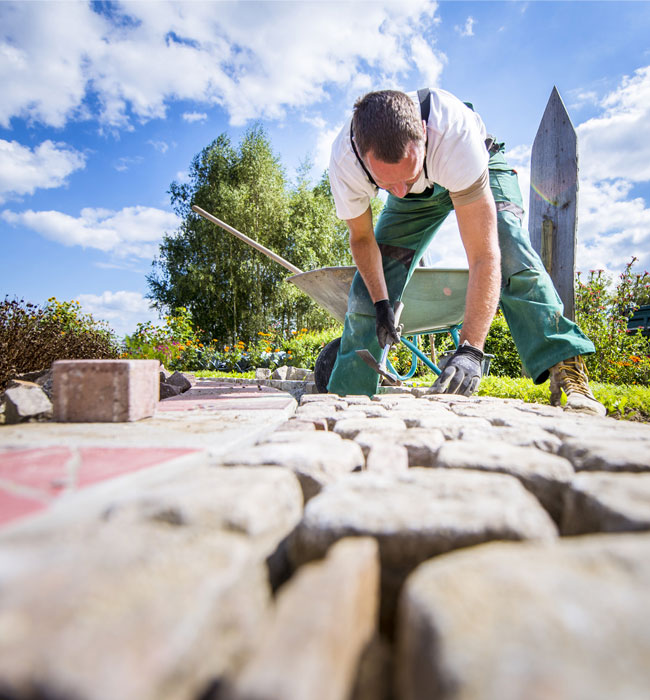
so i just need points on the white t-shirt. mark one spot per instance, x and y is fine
(456, 156)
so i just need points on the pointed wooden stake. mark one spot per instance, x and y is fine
(554, 198)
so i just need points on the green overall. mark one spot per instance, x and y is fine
(530, 304)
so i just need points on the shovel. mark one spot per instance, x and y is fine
(380, 367)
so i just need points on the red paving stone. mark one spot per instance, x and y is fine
(101, 463)
(13, 506)
(46, 470)
(42, 468)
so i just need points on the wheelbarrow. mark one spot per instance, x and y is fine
(434, 302)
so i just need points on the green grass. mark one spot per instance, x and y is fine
(206, 373)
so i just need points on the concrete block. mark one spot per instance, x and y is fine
(105, 391)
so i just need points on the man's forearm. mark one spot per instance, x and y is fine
(367, 258)
(478, 229)
(367, 255)
(481, 301)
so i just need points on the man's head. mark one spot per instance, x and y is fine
(390, 136)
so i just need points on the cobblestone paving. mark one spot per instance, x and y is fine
(403, 547)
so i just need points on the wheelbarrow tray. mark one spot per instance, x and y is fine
(434, 298)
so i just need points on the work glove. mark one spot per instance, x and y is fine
(385, 324)
(462, 373)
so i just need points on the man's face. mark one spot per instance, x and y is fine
(398, 178)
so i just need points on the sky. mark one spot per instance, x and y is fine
(104, 104)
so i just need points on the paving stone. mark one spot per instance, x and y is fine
(314, 466)
(323, 619)
(607, 455)
(421, 445)
(350, 427)
(370, 410)
(511, 621)
(327, 411)
(545, 475)
(105, 391)
(353, 400)
(417, 515)
(321, 441)
(130, 613)
(25, 401)
(387, 458)
(168, 390)
(530, 437)
(264, 505)
(393, 400)
(179, 380)
(319, 398)
(600, 502)
(304, 425)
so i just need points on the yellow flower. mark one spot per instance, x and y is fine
(226, 348)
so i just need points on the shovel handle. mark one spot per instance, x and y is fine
(246, 239)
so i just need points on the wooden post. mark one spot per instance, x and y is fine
(553, 198)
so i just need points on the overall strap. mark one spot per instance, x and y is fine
(363, 165)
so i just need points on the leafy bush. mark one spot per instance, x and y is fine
(33, 337)
(602, 312)
(181, 346)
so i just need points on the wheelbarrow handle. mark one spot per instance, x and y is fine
(246, 239)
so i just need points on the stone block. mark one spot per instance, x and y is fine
(417, 515)
(168, 390)
(178, 379)
(324, 618)
(105, 391)
(297, 374)
(545, 475)
(609, 455)
(262, 373)
(280, 373)
(387, 458)
(319, 459)
(26, 401)
(602, 502)
(511, 621)
(350, 427)
(151, 612)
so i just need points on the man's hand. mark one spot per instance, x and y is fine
(385, 324)
(462, 373)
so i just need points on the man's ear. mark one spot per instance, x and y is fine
(424, 127)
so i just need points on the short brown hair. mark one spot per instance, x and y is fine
(386, 122)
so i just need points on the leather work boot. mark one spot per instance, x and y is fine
(571, 377)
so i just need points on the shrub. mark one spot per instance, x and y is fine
(602, 312)
(33, 337)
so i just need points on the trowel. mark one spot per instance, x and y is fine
(380, 367)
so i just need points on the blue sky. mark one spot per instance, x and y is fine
(105, 104)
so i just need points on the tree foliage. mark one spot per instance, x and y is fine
(232, 290)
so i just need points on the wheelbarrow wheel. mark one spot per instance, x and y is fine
(325, 364)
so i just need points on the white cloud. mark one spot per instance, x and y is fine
(428, 61)
(124, 163)
(121, 310)
(616, 144)
(324, 141)
(256, 60)
(468, 28)
(23, 170)
(192, 117)
(131, 232)
(160, 146)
